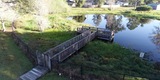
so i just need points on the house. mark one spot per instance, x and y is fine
(122, 3)
(89, 3)
(10, 3)
(155, 6)
(71, 3)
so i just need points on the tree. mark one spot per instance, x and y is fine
(99, 2)
(7, 13)
(80, 3)
(148, 1)
(40, 9)
(111, 2)
(134, 2)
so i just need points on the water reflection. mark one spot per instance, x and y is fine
(80, 18)
(97, 19)
(156, 37)
(133, 33)
(135, 22)
(114, 23)
(144, 21)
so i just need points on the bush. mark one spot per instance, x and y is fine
(143, 8)
(128, 12)
(157, 65)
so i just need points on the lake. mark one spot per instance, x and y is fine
(138, 34)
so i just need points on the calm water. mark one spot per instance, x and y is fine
(134, 33)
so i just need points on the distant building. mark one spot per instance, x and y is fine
(10, 3)
(155, 6)
(89, 3)
(122, 3)
(71, 3)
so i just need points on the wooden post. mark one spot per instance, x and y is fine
(59, 58)
(3, 25)
(47, 61)
(13, 26)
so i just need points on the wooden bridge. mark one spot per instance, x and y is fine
(101, 33)
(49, 59)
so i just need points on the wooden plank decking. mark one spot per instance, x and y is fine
(34, 74)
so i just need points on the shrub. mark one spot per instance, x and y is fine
(157, 65)
(143, 8)
(128, 12)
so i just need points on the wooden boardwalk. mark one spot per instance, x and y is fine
(34, 74)
(101, 33)
(49, 59)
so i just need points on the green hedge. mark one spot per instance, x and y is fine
(143, 8)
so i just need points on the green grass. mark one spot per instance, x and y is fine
(100, 58)
(53, 76)
(97, 54)
(42, 41)
(13, 62)
(153, 14)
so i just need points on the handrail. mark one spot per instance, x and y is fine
(71, 41)
(75, 44)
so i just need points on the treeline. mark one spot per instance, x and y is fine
(39, 9)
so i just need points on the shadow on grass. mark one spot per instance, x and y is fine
(13, 62)
(42, 41)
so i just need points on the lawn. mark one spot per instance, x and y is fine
(53, 76)
(42, 41)
(13, 62)
(105, 59)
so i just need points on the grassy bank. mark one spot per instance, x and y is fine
(127, 11)
(13, 62)
(105, 59)
(97, 57)
(42, 41)
(53, 76)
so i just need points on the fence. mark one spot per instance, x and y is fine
(66, 49)
(51, 52)
(28, 51)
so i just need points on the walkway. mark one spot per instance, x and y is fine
(49, 59)
(34, 74)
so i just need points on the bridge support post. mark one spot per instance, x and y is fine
(59, 58)
(48, 62)
(40, 59)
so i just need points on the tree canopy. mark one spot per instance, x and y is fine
(80, 3)
(40, 9)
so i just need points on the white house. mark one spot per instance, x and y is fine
(155, 6)
(122, 3)
(71, 3)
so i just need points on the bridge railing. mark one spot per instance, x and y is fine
(51, 52)
(102, 33)
(61, 56)
(26, 49)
